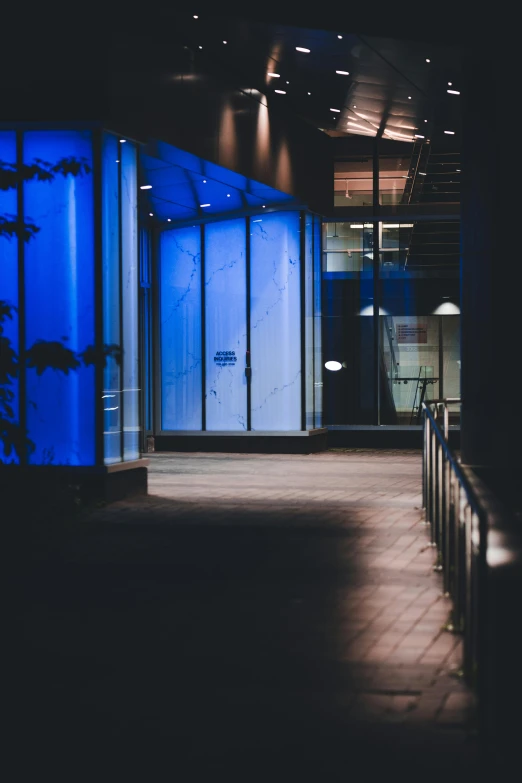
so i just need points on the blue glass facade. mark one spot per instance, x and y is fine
(231, 299)
(79, 223)
(225, 325)
(180, 317)
(59, 298)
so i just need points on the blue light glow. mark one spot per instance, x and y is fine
(111, 296)
(318, 348)
(180, 314)
(225, 320)
(309, 321)
(9, 267)
(275, 323)
(59, 299)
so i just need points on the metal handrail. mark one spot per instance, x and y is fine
(458, 524)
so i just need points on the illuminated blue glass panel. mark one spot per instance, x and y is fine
(275, 334)
(318, 346)
(147, 331)
(225, 325)
(9, 273)
(111, 296)
(180, 314)
(309, 321)
(129, 283)
(59, 299)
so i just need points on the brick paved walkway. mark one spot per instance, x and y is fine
(255, 618)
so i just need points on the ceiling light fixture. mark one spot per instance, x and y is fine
(336, 110)
(397, 225)
(340, 37)
(418, 136)
(422, 173)
(354, 106)
(264, 206)
(281, 92)
(288, 82)
(258, 220)
(302, 49)
(168, 220)
(123, 141)
(224, 42)
(453, 92)
(450, 133)
(205, 181)
(200, 47)
(228, 195)
(457, 169)
(151, 214)
(428, 60)
(309, 93)
(356, 225)
(204, 205)
(145, 187)
(449, 84)
(195, 16)
(425, 120)
(275, 75)
(409, 97)
(343, 73)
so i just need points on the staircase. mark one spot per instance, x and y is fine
(434, 179)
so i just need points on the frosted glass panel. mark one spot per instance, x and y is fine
(180, 314)
(129, 283)
(275, 322)
(225, 325)
(9, 274)
(59, 299)
(309, 321)
(111, 296)
(318, 349)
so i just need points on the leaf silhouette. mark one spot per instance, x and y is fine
(44, 355)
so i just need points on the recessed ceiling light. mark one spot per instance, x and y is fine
(117, 161)
(302, 49)
(275, 75)
(195, 16)
(264, 206)
(337, 110)
(224, 42)
(425, 120)
(309, 93)
(145, 187)
(228, 195)
(450, 133)
(418, 136)
(281, 92)
(428, 60)
(354, 106)
(151, 214)
(288, 82)
(449, 84)
(453, 92)
(259, 220)
(457, 169)
(122, 141)
(409, 97)
(343, 73)
(200, 47)
(340, 37)
(168, 220)
(205, 181)
(422, 173)
(204, 205)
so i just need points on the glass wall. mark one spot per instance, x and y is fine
(415, 357)
(242, 350)
(225, 325)
(180, 329)
(68, 232)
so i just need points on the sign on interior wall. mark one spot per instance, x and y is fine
(412, 333)
(225, 358)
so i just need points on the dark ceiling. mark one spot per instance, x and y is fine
(394, 88)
